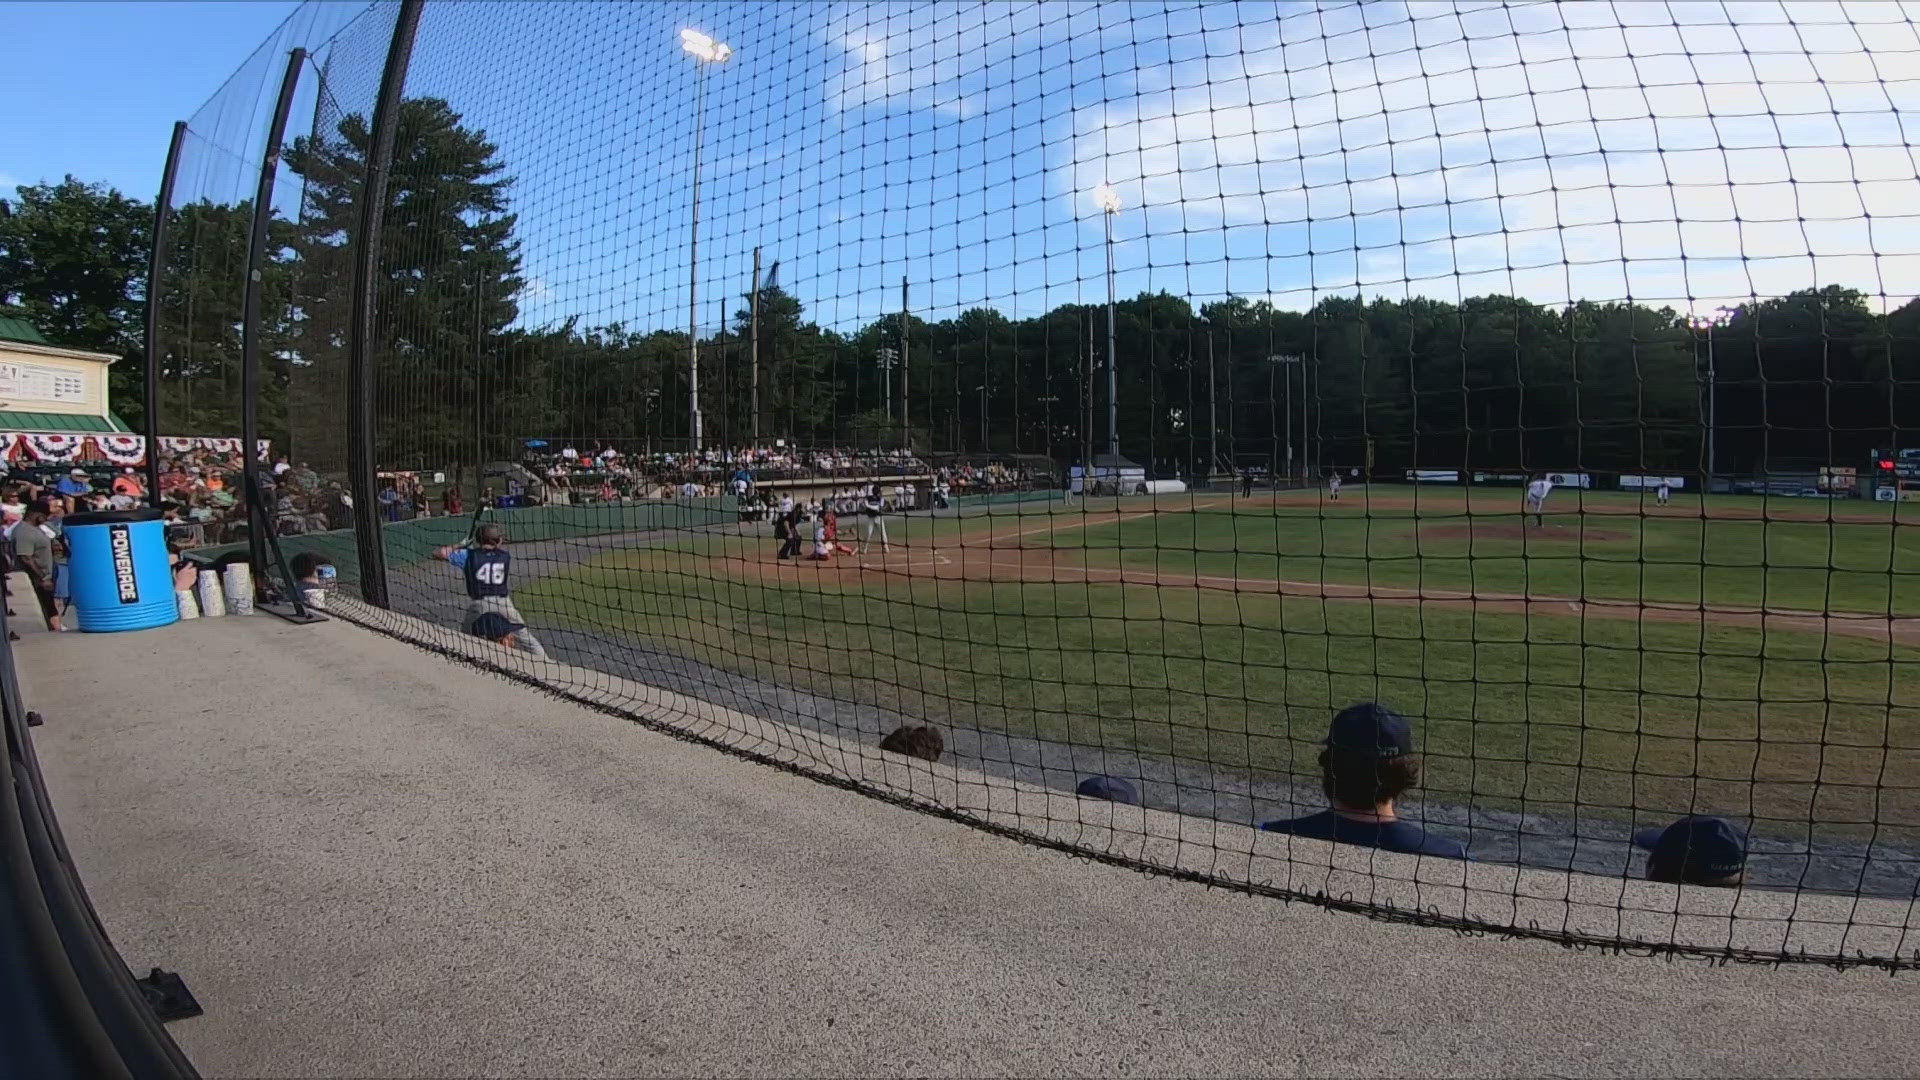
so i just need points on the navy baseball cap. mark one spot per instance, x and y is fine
(1370, 728)
(493, 626)
(1693, 848)
(1111, 788)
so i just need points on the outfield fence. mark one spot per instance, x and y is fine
(1288, 266)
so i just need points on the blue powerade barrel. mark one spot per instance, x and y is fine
(121, 576)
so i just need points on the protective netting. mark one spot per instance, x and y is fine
(1125, 390)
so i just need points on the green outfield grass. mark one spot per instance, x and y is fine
(1552, 711)
(1447, 544)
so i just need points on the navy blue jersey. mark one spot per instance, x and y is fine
(1387, 835)
(486, 572)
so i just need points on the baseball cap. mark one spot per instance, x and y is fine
(494, 626)
(1111, 788)
(1368, 727)
(76, 471)
(1693, 848)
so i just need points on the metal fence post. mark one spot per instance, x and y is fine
(250, 312)
(150, 428)
(366, 266)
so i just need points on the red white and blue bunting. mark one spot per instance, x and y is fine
(122, 450)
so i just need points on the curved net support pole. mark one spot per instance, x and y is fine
(366, 261)
(150, 424)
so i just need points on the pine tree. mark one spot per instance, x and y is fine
(448, 278)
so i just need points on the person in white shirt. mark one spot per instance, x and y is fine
(1333, 487)
(1537, 491)
(786, 505)
(1664, 493)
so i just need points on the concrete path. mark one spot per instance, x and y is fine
(368, 861)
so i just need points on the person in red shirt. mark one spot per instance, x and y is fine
(455, 505)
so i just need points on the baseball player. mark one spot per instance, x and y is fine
(1333, 487)
(870, 513)
(1664, 493)
(486, 564)
(1537, 491)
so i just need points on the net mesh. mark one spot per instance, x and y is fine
(1122, 391)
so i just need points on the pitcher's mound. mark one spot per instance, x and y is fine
(1513, 530)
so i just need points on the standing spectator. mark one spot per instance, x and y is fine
(391, 502)
(451, 500)
(34, 551)
(76, 482)
(421, 507)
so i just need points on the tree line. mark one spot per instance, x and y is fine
(1495, 383)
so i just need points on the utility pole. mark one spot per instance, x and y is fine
(1213, 412)
(753, 322)
(906, 421)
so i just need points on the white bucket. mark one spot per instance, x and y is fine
(213, 603)
(239, 589)
(315, 598)
(189, 607)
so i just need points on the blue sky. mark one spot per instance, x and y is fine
(93, 89)
(1686, 154)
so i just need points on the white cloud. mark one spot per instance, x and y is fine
(1574, 153)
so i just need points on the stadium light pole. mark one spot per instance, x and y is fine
(1109, 201)
(1288, 361)
(1709, 323)
(706, 52)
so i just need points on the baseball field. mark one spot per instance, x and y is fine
(1735, 655)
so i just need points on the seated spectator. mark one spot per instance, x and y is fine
(1367, 763)
(453, 502)
(76, 482)
(496, 628)
(1111, 788)
(128, 483)
(1695, 851)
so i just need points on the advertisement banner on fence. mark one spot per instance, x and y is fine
(1649, 483)
(1839, 478)
(1570, 479)
(1513, 478)
(1433, 476)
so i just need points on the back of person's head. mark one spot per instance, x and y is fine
(1699, 850)
(41, 508)
(495, 627)
(490, 535)
(1369, 758)
(308, 563)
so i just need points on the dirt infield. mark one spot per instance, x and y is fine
(1009, 556)
(1508, 530)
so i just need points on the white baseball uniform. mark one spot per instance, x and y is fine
(1537, 493)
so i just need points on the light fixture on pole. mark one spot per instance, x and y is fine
(1109, 202)
(706, 51)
